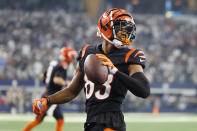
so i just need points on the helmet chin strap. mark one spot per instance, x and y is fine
(117, 43)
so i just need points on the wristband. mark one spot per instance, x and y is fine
(48, 100)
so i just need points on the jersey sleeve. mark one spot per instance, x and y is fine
(82, 52)
(82, 55)
(79, 55)
(60, 72)
(45, 76)
(136, 56)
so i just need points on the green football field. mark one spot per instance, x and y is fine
(135, 122)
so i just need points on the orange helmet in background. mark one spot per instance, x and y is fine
(113, 21)
(67, 54)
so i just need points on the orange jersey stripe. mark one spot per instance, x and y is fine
(84, 50)
(128, 54)
(139, 52)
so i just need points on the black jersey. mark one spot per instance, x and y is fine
(54, 69)
(108, 96)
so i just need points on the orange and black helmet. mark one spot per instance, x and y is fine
(115, 20)
(67, 54)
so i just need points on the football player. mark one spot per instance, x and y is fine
(55, 79)
(125, 66)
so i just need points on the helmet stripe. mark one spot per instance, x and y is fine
(122, 15)
(112, 24)
(104, 36)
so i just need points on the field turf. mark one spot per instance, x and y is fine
(135, 122)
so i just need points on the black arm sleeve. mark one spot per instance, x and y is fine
(138, 84)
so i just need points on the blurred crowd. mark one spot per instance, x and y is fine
(29, 40)
(170, 46)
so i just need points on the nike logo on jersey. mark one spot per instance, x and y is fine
(141, 60)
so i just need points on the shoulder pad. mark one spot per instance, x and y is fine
(135, 56)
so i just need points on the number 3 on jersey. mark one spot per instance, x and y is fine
(90, 88)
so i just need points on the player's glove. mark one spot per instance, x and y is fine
(107, 62)
(40, 106)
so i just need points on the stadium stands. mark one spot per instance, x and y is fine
(29, 39)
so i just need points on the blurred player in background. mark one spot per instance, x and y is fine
(125, 72)
(55, 79)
